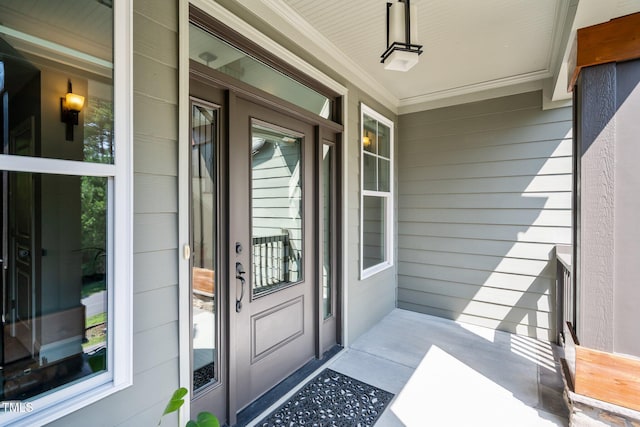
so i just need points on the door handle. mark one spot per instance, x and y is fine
(24, 253)
(240, 276)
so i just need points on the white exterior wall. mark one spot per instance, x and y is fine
(484, 195)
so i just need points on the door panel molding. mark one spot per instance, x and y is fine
(287, 318)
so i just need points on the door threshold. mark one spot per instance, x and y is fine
(289, 384)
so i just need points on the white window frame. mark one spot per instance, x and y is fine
(67, 399)
(387, 196)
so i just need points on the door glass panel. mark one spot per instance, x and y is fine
(327, 252)
(203, 238)
(276, 208)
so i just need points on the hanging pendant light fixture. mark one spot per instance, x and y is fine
(401, 55)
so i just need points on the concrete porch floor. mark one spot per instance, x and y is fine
(445, 373)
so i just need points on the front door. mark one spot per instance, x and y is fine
(262, 254)
(271, 229)
(18, 217)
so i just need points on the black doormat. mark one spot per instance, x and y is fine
(331, 399)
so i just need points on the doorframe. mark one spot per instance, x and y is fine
(184, 298)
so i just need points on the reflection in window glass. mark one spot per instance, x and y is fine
(54, 293)
(276, 200)
(373, 231)
(370, 172)
(327, 241)
(204, 241)
(384, 173)
(34, 87)
(384, 140)
(370, 135)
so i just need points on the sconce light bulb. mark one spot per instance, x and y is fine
(74, 102)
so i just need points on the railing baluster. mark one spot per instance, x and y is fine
(270, 261)
(565, 292)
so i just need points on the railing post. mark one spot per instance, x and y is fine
(565, 291)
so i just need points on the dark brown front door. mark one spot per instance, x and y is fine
(271, 176)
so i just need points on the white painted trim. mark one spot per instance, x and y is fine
(534, 77)
(184, 295)
(57, 404)
(55, 166)
(388, 196)
(474, 97)
(345, 223)
(559, 31)
(239, 25)
(547, 93)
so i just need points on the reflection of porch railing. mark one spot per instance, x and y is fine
(565, 293)
(270, 261)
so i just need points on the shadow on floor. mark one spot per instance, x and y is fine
(447, 373)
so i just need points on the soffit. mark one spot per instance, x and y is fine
(469, 46)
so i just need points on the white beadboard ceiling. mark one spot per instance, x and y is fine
(471, 47)
(468, 45)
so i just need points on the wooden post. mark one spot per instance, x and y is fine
(606, 87)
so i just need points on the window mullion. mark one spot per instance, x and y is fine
(14, 163)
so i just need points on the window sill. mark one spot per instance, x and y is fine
(372, 271)
(64, 402)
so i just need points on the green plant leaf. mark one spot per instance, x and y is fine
(177, 400)
(191, 424)
(207, 419)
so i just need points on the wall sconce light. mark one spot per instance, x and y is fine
(367, 139)
(70, 106)
(401, 56)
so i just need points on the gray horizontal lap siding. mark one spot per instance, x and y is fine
(484, 195)
(155, 239)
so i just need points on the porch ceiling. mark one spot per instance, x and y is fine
(470, 48)
(467, 45)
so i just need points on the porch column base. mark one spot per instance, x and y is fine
(588, 412)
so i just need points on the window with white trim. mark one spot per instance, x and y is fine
(376, 203)
(66, 217)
